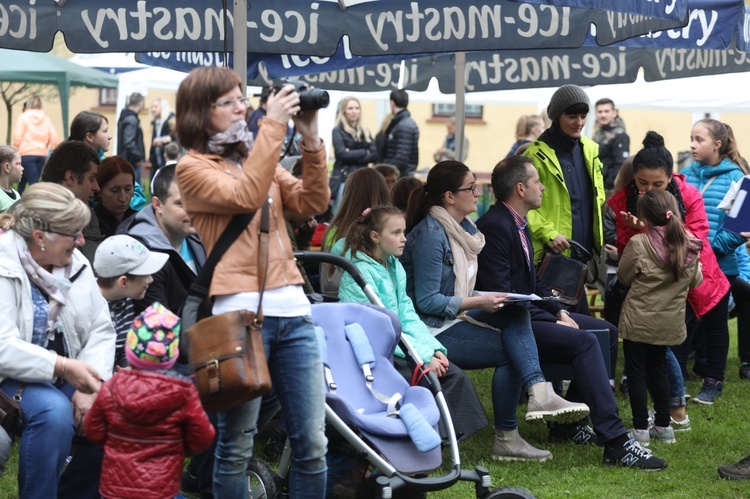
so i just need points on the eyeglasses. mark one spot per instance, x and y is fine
(74, 237)
(472, 187)
(232, 102)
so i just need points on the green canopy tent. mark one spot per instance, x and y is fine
(35, 67)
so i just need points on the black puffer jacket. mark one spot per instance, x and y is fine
(351, 153)
(402, 143)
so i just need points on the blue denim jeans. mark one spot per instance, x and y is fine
(512, 353)
(32, 168)
(297, 374)
(47, 433)
(676, 381)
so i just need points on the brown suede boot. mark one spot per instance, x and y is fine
(509, 446)
(546, 405)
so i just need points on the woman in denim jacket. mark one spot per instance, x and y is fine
(440, 260)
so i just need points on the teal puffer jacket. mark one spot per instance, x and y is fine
(723, 242)
(389, 282)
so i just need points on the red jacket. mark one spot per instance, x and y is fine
(715, 284)
(147, 422)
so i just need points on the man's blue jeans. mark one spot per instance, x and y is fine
(512, 353)
(47, 433)
(297, 374)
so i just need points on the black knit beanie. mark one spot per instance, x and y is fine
(563, 98)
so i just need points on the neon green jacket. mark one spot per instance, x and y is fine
(554, 217)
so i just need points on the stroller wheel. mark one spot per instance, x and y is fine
(510, 493)
(261, 480)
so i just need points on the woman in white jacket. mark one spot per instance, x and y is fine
(57, 341)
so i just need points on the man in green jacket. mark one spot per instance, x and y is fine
(570, 170)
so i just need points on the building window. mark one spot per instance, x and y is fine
(108, 97)
(444, 110)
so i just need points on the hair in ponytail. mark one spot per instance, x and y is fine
(659, 208)
(445, 176)
(724, 134)
(359, 237)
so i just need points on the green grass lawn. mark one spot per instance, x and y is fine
(719, 436)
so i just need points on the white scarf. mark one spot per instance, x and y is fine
(465, 248)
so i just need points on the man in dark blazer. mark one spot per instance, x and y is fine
(506, 265)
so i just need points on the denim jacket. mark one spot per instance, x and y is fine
(428, 262)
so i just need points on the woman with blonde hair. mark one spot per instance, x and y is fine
(353, 146)
(34, 136)
(528, 128)
(57, 342)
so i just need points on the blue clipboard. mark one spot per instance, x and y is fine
(738, 218)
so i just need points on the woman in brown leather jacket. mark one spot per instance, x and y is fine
(224, 174)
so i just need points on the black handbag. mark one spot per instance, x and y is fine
(565, 276)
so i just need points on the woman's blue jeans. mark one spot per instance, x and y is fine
(32, 168)
(512, 353)
(47, 433)
(297, 375)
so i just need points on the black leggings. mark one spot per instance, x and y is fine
(647, 372)
(714, 324)
(741, 294)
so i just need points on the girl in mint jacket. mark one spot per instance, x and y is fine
(376, 240)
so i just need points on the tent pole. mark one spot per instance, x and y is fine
(460, 104)
(239, 12)
(64, 89)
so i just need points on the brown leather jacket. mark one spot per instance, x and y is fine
(213, 190)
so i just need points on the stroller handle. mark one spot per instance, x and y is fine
(344, 264)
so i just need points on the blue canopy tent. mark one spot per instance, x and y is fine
(708, 44)
(316, 28)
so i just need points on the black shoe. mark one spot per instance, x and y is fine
(188, 483)
(739, 471)
(632, 455)
(745, 370)
(578, 433)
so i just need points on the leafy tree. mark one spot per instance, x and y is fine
(14, 93)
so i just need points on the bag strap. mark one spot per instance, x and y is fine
(230, 234)
(708, 184)
(263, 236)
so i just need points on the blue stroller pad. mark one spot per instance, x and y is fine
(372, 333)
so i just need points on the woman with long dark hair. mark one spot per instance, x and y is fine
(653, 168)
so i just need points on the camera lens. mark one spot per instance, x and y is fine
(312, 99)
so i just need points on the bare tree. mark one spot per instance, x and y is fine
(13, 93)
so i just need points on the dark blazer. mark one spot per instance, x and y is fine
(502, 264)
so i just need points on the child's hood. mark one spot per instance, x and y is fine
(147, 397)
(656, 238)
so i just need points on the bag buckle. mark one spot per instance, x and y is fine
(214, 377)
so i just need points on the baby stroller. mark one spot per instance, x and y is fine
(391, 425)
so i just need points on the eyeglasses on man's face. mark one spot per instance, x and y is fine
(232, 102)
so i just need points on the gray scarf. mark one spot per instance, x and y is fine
(234, 143)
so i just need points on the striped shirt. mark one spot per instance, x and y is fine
(122, 315)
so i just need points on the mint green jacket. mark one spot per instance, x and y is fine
(389, 282)
(554, 217)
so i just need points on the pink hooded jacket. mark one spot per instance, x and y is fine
(34, 134)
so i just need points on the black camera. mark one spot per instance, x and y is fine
(310, 99)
